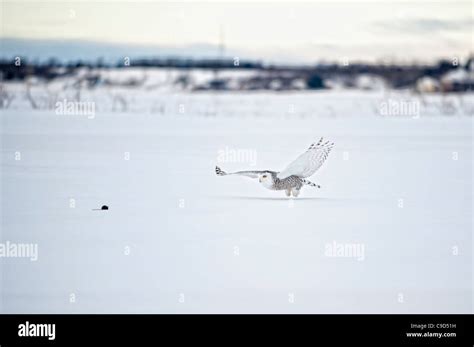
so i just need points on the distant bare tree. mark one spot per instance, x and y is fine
(466, 107)
(157, 107)
(447, 106)
(52, 97)
(29, 96)
(118, 101)
(6, 97)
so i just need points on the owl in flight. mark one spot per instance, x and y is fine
(292, 178)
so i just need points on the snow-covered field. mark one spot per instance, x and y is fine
(390, 231)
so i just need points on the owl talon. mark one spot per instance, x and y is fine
(295, 192)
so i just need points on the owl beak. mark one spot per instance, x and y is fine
(260, 179)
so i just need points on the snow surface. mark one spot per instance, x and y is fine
(177, 238)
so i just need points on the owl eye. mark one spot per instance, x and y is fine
(264, 176)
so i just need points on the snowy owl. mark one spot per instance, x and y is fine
(292, 178)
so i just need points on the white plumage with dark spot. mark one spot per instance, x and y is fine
(292, 178)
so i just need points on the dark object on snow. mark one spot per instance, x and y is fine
(103, 208)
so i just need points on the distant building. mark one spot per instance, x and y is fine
(427, 84)
(459, 80)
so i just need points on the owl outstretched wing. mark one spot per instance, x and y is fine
(308, 162)
(251, 174)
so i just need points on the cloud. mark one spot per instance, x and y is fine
(425, 25)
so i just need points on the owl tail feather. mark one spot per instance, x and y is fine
(309, 183)
(219, 172)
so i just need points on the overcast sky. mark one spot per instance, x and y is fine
(271, 30)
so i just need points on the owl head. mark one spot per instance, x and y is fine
(266, 179)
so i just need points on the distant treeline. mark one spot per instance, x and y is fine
(20, 69)
(396, 76)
